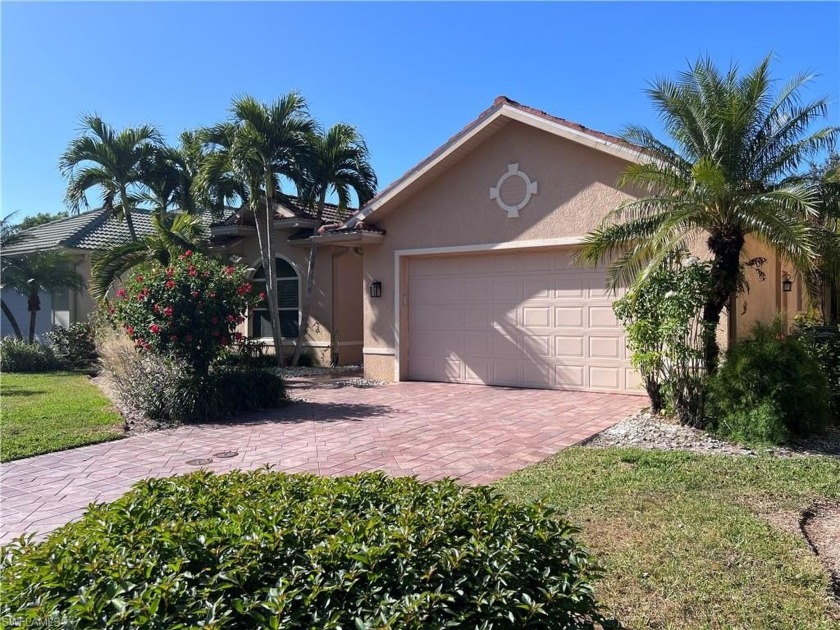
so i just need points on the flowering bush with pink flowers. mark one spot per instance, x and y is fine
(188, 309)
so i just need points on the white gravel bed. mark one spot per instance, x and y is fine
(644, 430)
(291, 372)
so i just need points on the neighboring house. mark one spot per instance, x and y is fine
(474, 281)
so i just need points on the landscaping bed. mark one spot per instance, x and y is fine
(50, 412)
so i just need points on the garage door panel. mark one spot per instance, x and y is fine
(518, 319)
(568, 347)
(536, 316)
(569, 376)
(568, 317)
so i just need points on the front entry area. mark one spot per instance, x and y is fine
(520, 319)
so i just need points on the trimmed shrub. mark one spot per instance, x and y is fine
(768, 390)
(166, 390)
(189, 309)
(74, 346)
(822, 342)
(16, 355)
(268, 550)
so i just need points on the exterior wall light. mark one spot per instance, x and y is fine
(376, 289)
(787, 283)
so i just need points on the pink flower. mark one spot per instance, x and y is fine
(188, 253)
(230, 318)
(154, 328)
(156, 308)
(237, 336)
(129, 331)
(170, 284)
(211, 294)
(168, 311)
(194, 294)
(193, 271)
(229, 270)
(225, 341)
(170, 272)
(173, 337)
(121, 293)
(139, 278)
(262, 295)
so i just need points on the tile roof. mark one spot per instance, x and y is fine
(90, 230)
(332, 214)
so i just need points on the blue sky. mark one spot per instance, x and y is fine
(407, 75)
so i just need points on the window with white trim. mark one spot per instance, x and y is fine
(288, 299)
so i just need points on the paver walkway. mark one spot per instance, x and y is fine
(431, 430)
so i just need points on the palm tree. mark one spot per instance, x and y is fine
(49, 270)
(110, 160)
(169, 175)
(731, 171)
(10, 234)
(173, 235)
(336, 162)
(249, 153)
(824, 279)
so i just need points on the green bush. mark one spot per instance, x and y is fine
(166, 390)
(768, 390)
(269, 550)
(822, 342)
(16, 355)
(75, 346)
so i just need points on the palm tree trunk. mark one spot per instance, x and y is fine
(34, 306)
(310, 283)
(129, 221)
(724, 272)
(11, 317)
(265, 239)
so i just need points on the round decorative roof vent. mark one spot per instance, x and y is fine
(513, 191)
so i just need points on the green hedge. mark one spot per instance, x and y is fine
(263, 549)
(17, 355)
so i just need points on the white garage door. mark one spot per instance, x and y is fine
(516, 319)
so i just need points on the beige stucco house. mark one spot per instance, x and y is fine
(462, 270)
(474, 275)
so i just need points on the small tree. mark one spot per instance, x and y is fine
(662, 317)
(40, 271)
(188, 309)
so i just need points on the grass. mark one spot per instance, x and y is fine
(694, 541)
(42, 413)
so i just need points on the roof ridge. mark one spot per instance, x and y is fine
(96, 220)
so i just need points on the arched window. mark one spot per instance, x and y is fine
(288, 299)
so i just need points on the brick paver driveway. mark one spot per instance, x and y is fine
(431, 430)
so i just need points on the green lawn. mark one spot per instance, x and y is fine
(687, 540)
(42, 413)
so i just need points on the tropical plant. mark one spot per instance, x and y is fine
(113, 161)
(34, 220)
(49, 271)
(16, 355)
(75, 345)
(821, 341)
(769, 389)
(169, 175)
(261, 549)
(188, 309)
(664, 334)
(173, 235)
(335, 162)
(248, 155)
(823, 280)
(732, 171)
(10, 234)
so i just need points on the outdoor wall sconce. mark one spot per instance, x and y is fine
(787, 283)
(375, 289)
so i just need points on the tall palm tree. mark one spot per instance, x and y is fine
(249, 154)
(731, 170)
(110, 160)
(41, 271)
(336, 162)
(173, 235)
(169, 175)
(824, 279)
(10, 234)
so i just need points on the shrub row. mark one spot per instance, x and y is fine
(17, 355)
(270, 550)
(164, 389)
